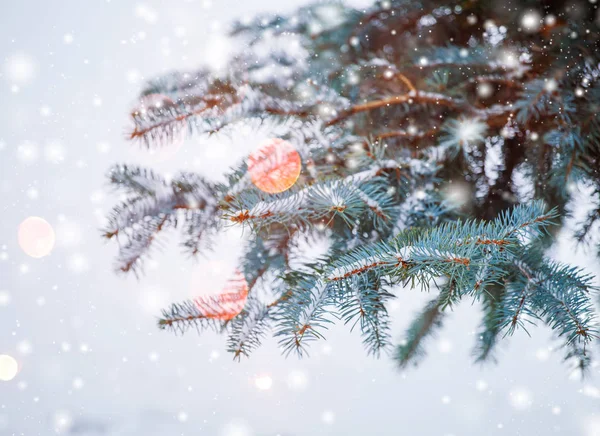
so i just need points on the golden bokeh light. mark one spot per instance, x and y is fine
(8, 367)
(36, 237)
(275, 166)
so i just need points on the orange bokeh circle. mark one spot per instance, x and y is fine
(275, 166)
(227, 304)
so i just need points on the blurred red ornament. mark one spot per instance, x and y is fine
(229, 303)
(275, 166)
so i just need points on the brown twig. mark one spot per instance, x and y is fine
(411, 97)
(407, 82)
(209, 103)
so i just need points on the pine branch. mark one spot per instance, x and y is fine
(222, 105)
(151, 206)
(180, 317)
(248, 329)
(384, 134)
(411, 97)
(301, 317)
(412, 349)
(348, 199)
(447, 250)
(363, 304)
(487, 339)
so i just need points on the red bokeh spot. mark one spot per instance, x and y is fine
(229, 303)
(275, 166)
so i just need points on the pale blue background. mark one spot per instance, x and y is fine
(136, 380)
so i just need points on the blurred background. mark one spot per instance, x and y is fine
(90, 359)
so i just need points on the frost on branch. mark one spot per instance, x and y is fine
(441, 147)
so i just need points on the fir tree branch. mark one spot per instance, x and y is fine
(301, 317)
(493, 300)
(363, 304)
(383, 208)
(411, 97)
(412, 350)
(153, 205)
(247, 330)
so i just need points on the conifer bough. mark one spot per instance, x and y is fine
(442, 146)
